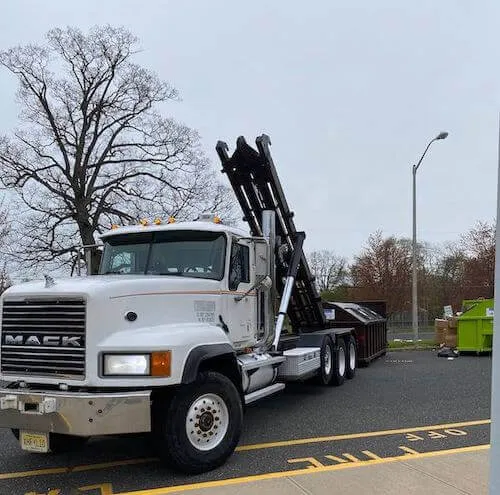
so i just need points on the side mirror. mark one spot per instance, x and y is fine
(261, 250)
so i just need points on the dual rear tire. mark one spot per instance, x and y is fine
(337, 362)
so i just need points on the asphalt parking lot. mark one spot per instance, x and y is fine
(405, 402)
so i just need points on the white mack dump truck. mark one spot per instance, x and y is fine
(181, 328)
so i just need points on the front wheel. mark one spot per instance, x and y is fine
(200, 426)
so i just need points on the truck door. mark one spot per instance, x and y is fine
(241, 315)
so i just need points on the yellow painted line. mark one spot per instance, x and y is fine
(300, 472)
(351, 436)
(370, 454)
(74, 469)
(406, 449)
(243, 448)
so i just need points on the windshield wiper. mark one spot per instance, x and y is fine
(175, 274)
(111, 272)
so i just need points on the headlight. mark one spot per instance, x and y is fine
(126, 364)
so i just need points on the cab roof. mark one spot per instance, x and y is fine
(199, 225)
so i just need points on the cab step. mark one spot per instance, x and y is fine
(263, 392)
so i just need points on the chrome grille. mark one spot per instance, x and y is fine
(44, 337)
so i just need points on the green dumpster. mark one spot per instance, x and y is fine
(475, 326)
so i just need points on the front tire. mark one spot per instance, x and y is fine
(200, 426)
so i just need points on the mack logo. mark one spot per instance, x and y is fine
(44, 340)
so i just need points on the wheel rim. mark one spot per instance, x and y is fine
(328, 360)
(341, 361)
(207, 422)
(352, 356)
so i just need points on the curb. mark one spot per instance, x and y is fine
(411, 348)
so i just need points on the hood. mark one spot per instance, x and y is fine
(112, 286)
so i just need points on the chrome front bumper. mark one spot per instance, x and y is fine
(76, 413)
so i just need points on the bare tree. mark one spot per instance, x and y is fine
(329, 270)
(5, 221)
(93, 149)
(383, 270)
(478, 245)
(446, 275)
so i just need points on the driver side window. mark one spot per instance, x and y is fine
(239, 269)
(122, 262)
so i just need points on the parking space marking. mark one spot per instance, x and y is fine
(299, 472)
(451, 429)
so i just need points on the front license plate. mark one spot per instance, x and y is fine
(34, 442)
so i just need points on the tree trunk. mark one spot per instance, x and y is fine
(88, 239)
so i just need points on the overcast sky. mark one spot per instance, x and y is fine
(350, 93)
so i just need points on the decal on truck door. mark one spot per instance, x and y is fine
(205, 311)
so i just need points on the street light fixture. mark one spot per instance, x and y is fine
(414, 299)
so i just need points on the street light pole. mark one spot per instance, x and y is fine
(414, 294)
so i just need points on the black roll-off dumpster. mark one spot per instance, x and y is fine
(370, 328)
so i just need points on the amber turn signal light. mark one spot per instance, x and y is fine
(161, 363)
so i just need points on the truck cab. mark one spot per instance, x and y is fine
(192, 272)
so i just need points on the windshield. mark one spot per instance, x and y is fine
(179, 253)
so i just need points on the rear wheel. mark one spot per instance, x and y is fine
(327, 361)
(200, 426)
(339, 363)
(352, 356)
(59, 443)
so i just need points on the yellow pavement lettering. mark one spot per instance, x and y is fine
(351, 458)
(371, 455)
(312, 462)
(433, 434)
(436, 434)
(454, 432)
(449, 428)
(338, 460)
(413, 438)
(74, 469)
(346, 457)
(350, 436)
(104, 488)
(407, 450)
(298, 472)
